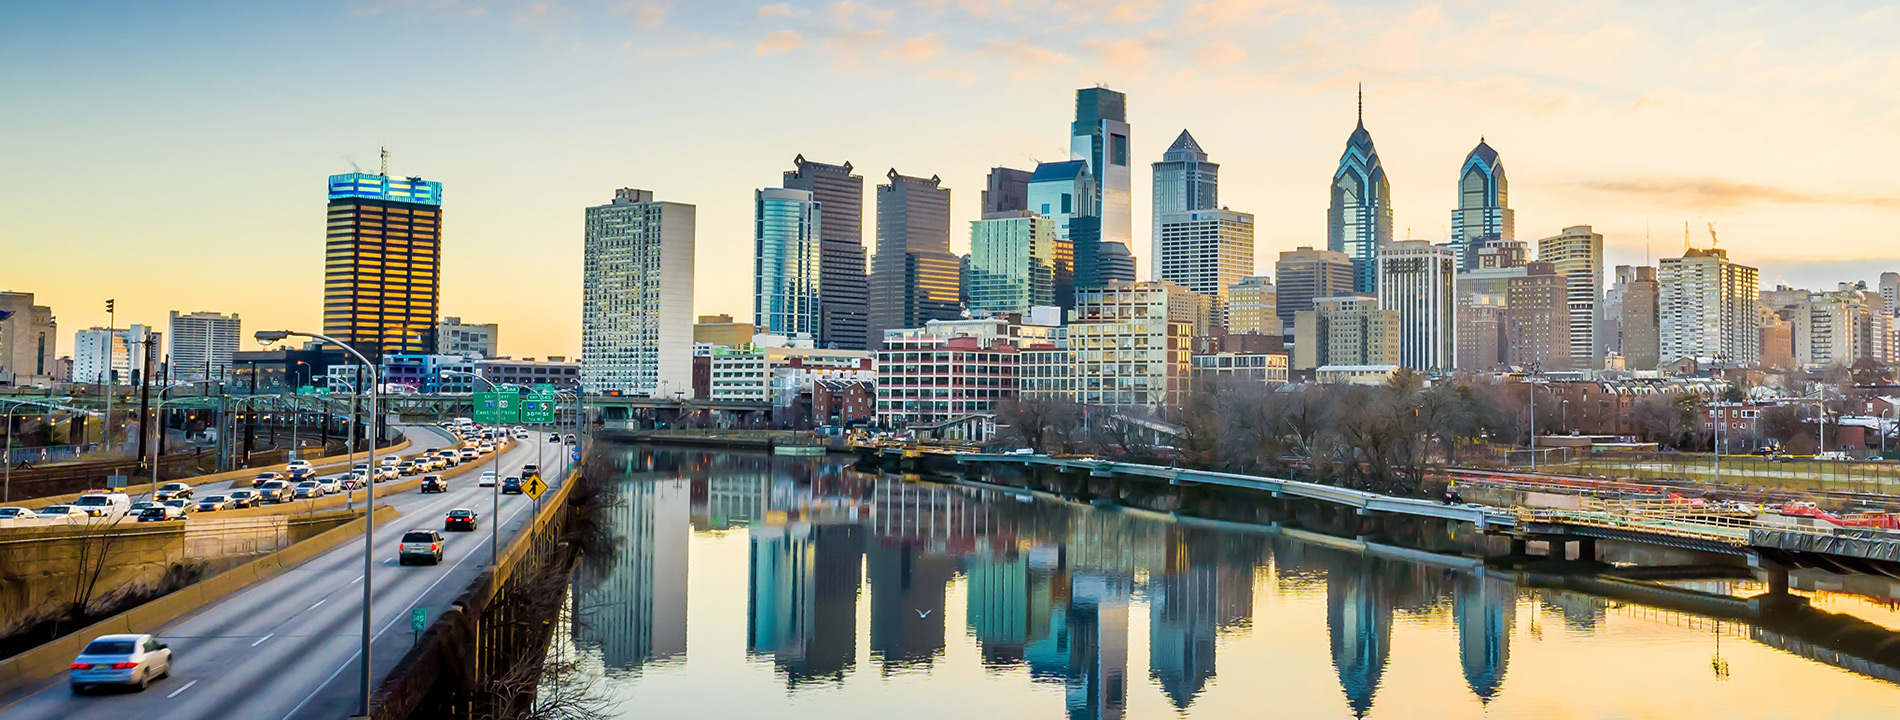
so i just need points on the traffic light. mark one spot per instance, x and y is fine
(109, 304)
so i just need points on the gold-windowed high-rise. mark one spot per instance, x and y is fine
(382, 265)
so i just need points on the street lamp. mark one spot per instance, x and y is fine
(266, 337)
(494, 461)
(6, 493)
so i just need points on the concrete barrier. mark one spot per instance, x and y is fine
(330, 461)
(50, 659)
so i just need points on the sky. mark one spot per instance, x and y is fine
(172, 155)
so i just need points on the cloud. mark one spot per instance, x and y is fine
(695, 46)
(646, 13)
(1131, 12)
(1712, 193)
(1023, 52)
(781, 10)
(847, 48)
(1225, 13)
(914, 50)
(951, 75)
(1126, 54)
(779, 41)
(1219, 53)
(845, 10)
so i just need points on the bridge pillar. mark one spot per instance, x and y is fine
(1777, 574)
(1586, 549)
(1519, 547)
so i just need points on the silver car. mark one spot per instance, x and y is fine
(124, 660)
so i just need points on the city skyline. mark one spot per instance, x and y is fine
(1623, 145)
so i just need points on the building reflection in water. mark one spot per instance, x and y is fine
(1483, 608)
(633, 601)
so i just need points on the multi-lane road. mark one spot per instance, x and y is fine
(287, 648)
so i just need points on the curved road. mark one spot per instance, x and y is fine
(287, 648)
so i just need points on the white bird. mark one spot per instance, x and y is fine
(923, 613)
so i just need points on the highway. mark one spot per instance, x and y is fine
(422, 438)
(287, 648)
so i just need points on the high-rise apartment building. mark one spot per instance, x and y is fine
(787, 272)
(1577, 254)
(843, 289)
(382, 267)
(637, 296)
(1359, 218)
(28, 341)
(1639, 325)
(1483, 299)
(478, 340)
(104, 356)
(1100, 136)
(1417, 279)
(1538, 320)
(1006, 190)
(1305, 274)
(1130, 345)
(1205, 250)
(1252, 308)
(1012, 262)
(1345, 330)
(1484, 211)
(1707, 309)
(1184, 181)
(914, 276)
(202, 344)
(1890, 292)
(1828, 330)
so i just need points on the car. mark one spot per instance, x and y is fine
(521, 434)
(300, 473)
(434, 484)
(182, 505)
(331, 484)
(62, 513)
(265, 477)
(387, 472)
(461, 519)
(531, 470)
(391, 460)
(488, 479)
(139, 507)
(125, 660)
(241, 499)
(310, 489)
(160, 513)
(295, 465)
(511, 485)
(419, 545)
(363, 468)
(469, 453)
(407, 469)
(554, 437)
(214, 503)
(351, 481)
(570, 438)
(104, 504)
(275, 491)
(172, 490)
(18, 513)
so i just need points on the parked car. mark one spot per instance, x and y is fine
(420, 545)
(104, 504)
(434, 484)
(308, 489)
(511, 485)
(160, 513)
(124, 660)
(461, 519)
(241, 499)
(265, 477)
(488, 479)
(275, 491)
(214, 503)
(172, 490)
(62, 513)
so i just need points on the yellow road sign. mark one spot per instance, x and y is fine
(533, 485)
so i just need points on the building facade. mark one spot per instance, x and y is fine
(1006, 190)
(1306, 274)
(202, 344)
(29, 341)
(1359, 217)
(1345, 330)
(773, 370)
(1100, 136)
(1483, 298)
(1418, 279)
(787, 256)
(1205, 250)
(557, 371)
(1184, 181)
(1484, 210)
(382, 268)
(1538, 320)
(1706, 308)
(1013, 263)
(479, 340)
(720, 330)
(1252, 308)
(1131, 346)
(103, 356)
(843, 286)
(925, 380)
(1577, 254)
(1638, 331)
(637, 296)
(914, 277)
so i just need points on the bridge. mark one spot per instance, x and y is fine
(622, 411)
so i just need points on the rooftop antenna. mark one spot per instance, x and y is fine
(385, 151)
(1685, 236)
(1362, 104)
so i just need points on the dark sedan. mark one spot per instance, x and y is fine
(461, 519)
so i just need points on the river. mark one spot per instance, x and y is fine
(747, 585)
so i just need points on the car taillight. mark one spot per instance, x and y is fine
(124, 665)
(80, 666)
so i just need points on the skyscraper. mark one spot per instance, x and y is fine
(1483, 295)
(786, 272)
(113, 355)
(1639, 321)
(1006, 190)
(1416, 279)
(914, 277)
(383, 263)
(637, 296)
(1577, 254)
(1064, 192)
(1099, 135)
(1890, 292)
(1184, 181)
(1306, 274)
(1484, 211)
(1538, 320)
(1707, 308)
(1359, 219)
(202, 344)
(1206, 250)
(1012, 262)
(843, 290)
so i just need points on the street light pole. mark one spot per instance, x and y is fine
(369, 502)
(494, 461)
(6, 493)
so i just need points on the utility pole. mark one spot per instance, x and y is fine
(250, 415)
(108, 378)
(145, 399)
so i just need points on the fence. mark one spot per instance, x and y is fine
(1871, 476)
(48, 454)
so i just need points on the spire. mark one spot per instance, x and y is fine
(1362, 104)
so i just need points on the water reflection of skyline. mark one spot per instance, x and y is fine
(1048, 587)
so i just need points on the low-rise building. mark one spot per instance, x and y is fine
(1354, 374)
(1258, 368)
(778, 370)
(925, 380)
(529, 372)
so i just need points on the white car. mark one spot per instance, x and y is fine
(124, 660)
(330, 484)
(298, 466)
(62, 513)
(18, 514)
(387, 472)
(390, 460)
(105, 505)
(488, 479)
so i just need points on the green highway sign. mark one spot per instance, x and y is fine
(538, 408)
(418, 618)
(496, 408)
